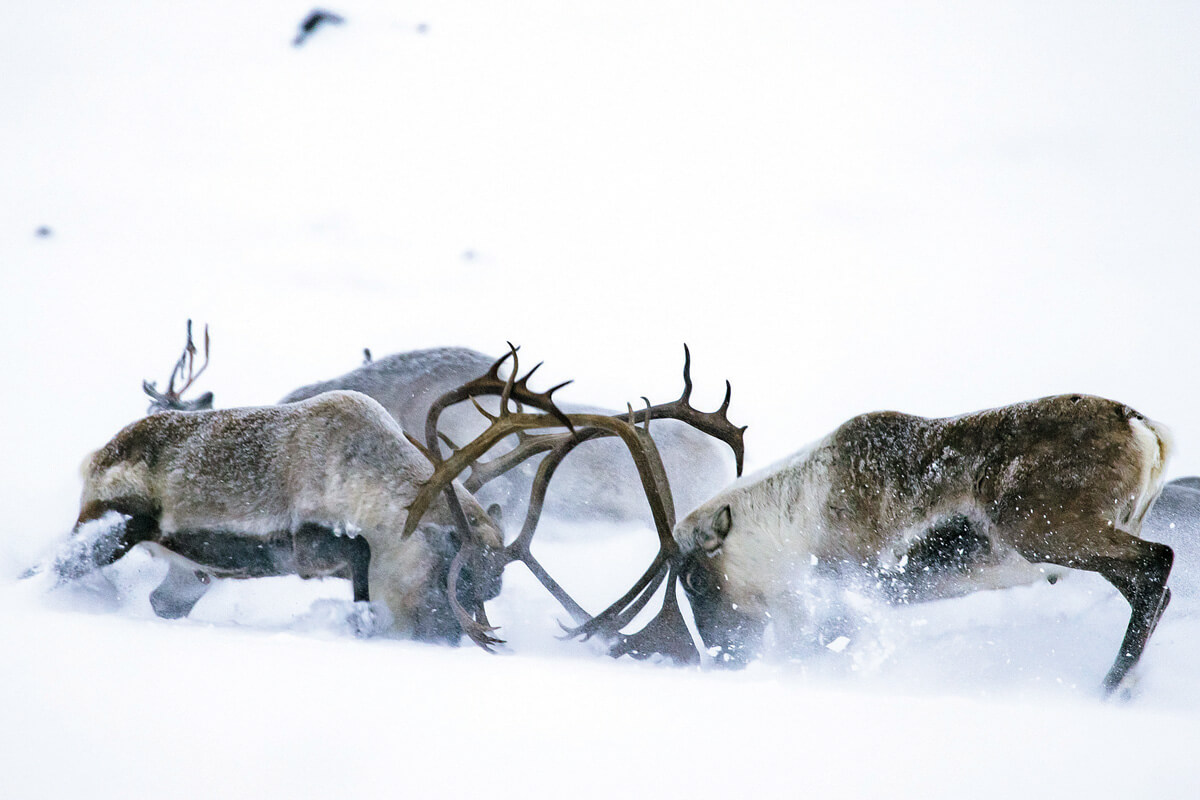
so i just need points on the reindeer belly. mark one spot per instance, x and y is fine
(312, 551)
(948, 556)
(229, 554)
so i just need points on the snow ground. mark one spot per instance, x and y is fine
(839, 207)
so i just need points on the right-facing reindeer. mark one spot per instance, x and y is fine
(311, 488)
(930, 508)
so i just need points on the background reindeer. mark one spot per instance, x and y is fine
(599, 481)
(925, 508)
(317, 487)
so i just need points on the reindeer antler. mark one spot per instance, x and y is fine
(172, 398)
(666, 633)
(714, 423)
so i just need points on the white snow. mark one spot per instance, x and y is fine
(842, 207)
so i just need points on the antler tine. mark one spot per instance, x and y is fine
(714, 423)
(151, 389)
(510, 382)
(649, 413)
(171, 398)
(525, 381)
(181, 362)
(563, 418)
(687, 375)
(417, 444)
(175, 371)
(487, 414)
(513, 388)
(667, 633)
(188, 359)
(494, 370)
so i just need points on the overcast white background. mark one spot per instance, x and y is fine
(927, 207)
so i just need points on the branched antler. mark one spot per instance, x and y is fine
(714, 423)
(506, 388)
(666, 633)
(172, 399)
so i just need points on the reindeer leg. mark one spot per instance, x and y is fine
(358, 557)
(179, 591)
(103, 533)
(1137, 568)
(317, 550)
(1143, 584)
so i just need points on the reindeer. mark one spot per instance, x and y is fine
(186, 582)
(932, 508)
(316, 487)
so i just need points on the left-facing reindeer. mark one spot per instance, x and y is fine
(317, 487)
(932, 508)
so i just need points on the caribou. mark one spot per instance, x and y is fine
(313, 488)
(933, 508)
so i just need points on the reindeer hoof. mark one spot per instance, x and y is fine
(361, 620)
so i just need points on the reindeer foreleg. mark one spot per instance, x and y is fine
(103, 533)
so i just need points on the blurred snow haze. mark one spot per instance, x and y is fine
(840, 207)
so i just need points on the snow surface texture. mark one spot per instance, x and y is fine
(840, 207)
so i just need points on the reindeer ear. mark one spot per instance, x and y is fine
(722, 522)
(711, 537)
(496, 513)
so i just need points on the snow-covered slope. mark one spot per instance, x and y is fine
(840, 207)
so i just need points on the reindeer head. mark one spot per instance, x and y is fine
(171, 399)
(730, 630)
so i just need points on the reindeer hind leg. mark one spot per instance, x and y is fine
(1136, 567)
(179, 591)
(1143, 582)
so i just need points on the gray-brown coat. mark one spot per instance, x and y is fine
(297, 488)
(930, 508)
